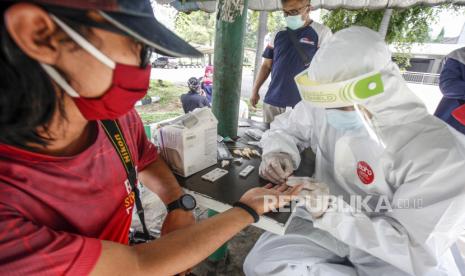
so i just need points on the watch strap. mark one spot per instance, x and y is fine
(175, 205)
(249, 210)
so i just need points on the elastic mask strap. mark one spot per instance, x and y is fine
(86, 45)
(53, 73)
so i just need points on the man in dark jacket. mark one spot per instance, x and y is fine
(452, 84)
(192, 99)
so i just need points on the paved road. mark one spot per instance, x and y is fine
(181, 75)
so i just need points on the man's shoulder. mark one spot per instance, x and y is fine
(271, 38)
(458, 55)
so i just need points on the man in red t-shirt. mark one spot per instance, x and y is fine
(65, 199)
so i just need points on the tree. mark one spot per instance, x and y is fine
(276, 22)
(196, 27)
(407, 26)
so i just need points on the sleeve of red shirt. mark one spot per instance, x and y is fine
(29, 249)
(146, 150)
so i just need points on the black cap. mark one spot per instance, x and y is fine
(134, 18)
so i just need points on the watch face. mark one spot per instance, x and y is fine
(188, 202)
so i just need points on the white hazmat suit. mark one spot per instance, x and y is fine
(419, 171)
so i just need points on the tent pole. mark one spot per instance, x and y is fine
(262, 30)
(228, 59)
(383, 28)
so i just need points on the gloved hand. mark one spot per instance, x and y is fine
(276, 167)
(315, 195)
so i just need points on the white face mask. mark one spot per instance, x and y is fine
(294, 22)
(344, 120)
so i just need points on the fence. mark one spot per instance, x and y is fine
(421, 78)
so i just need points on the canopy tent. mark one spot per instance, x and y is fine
(273, 5)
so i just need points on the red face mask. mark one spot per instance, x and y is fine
(129, 84)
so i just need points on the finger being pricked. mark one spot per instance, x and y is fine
(289, 195)
(281, 188)
(293, 191)
(268, 186)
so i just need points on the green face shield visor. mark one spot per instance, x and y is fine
(339, 94)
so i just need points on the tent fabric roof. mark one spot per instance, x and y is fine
(273, 5)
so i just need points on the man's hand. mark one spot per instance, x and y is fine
(254, 99)
(315, 194)
(177, 219)
(259, 198)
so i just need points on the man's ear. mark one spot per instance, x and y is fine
(32, 30)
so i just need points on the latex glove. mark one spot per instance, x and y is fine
(315, 195)
(276, 167)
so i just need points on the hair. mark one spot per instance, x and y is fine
(286, 1)
(28, 99)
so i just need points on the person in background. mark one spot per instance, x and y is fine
(192, 99)
(68, 70)
(284, 60)
(207, 82)
(452, 84)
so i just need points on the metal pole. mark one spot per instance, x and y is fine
(383, 28)
(229, 53)
(262, 30)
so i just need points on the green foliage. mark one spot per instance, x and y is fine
(407, 26)
(276, 23)
(199, 27)
(196, 27)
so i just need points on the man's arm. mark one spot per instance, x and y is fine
(184, 248)
(264, 73)
(158, 177)
(292, 131)
(173, 253)
(451, 82)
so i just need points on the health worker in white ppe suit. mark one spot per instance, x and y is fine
(373, 138)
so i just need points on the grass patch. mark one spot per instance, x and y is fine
(167, 91)
(149, 118)
(169, 105)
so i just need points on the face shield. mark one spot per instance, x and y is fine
(345, 99)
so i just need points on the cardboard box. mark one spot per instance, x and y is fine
(188, 143)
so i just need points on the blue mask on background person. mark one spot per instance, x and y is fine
(294, 22)
(343, 120)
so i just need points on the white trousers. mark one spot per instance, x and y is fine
(305, 250)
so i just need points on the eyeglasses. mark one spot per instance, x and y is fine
(295, 11)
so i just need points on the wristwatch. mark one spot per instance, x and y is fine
(185, 202)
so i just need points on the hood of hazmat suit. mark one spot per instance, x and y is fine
(409, 164)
